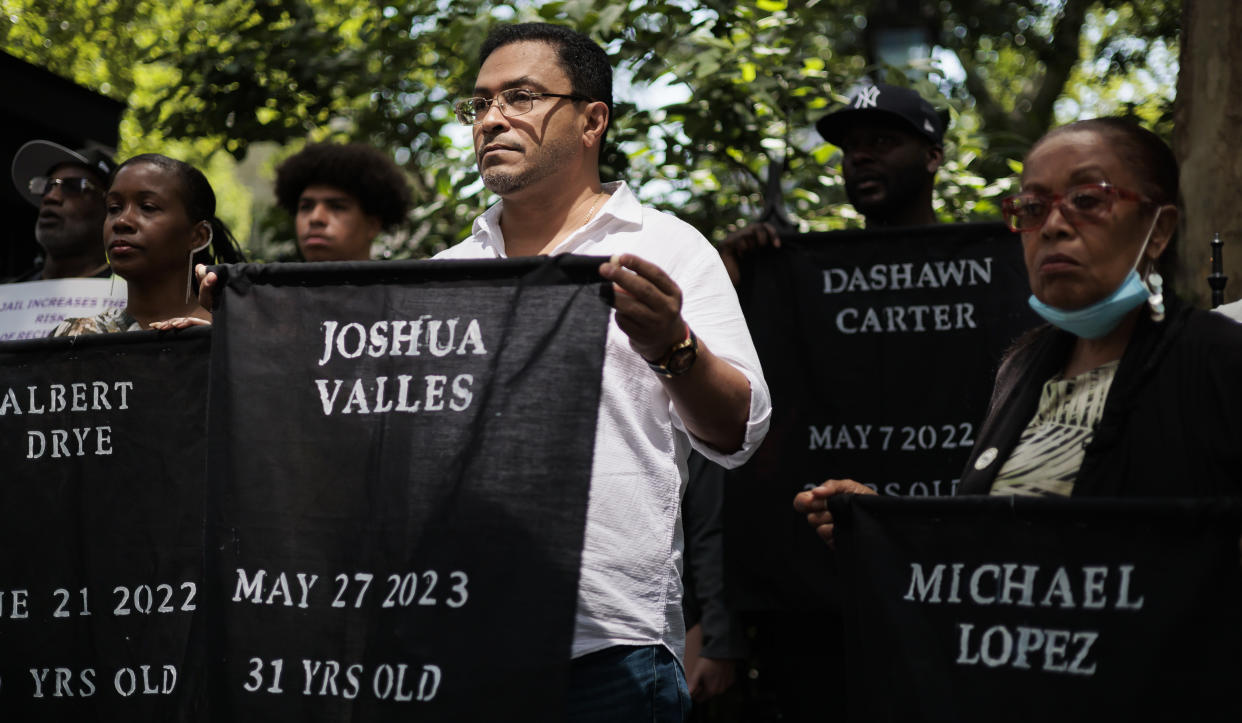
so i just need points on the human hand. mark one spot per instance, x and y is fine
(814, 504)
(179, 322)
(709, 677)
(743, 241)
(207, 281)
(648, 304)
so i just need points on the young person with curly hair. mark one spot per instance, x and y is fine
(341, 197)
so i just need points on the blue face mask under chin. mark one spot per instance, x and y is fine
(1098, 319)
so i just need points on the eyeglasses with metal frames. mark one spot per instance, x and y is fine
(40, 185)
(1029, 211)
(512, 102)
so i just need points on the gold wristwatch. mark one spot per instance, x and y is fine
(679, 359)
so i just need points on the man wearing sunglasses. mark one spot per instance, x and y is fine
(68, 187)
(680, 369)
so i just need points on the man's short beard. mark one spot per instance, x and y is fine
(551, 159)
(902, 194)
(75, 237)
(502, 183)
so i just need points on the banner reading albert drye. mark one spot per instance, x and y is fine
(102, 456)
(400, 461)
(880, 348)
(1016, 609)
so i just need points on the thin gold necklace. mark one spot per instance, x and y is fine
(590, 211)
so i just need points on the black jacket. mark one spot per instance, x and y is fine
(1172, 422)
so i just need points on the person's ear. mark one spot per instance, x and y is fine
(1162, 234)
(934, 158)
(596, 121)
(200, 236)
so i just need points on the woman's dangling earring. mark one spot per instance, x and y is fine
(189, 275)
(1155, 284)
(111, 274)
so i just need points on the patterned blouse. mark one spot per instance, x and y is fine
(108, 322)
(1049, 453)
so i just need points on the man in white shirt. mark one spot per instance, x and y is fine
(680, 369)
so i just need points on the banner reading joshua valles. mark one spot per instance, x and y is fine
(1017, 609)
(880, 348)
(400, 461)
(102, 450)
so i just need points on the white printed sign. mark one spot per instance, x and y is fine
(31, 309)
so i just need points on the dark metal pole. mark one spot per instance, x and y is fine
(1217, 279)
(773, 199)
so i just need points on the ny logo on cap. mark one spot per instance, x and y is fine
(867, 97)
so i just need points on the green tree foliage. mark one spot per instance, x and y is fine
(1021, 58)
(113, 47)
(285, 71)
(738, 86)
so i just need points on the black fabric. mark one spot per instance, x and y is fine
(489, 479)
(920, 393)
(1018, 609)
(101, 518)
(704, 601)
(1170, 426)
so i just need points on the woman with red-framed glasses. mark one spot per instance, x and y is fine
(1125, 391)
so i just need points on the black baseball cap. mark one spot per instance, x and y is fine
(888, 100)
(36, 158)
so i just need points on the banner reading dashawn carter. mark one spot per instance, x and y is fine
(400, 461)
(102, 447)
(1017, 609)
(880, 348)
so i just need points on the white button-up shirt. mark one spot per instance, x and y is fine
(629, 592)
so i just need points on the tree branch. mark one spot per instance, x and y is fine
(1059, 60)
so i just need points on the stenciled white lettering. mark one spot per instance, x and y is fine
(1099, 587)
(999, 646)
(374, 396)
(399, 337)
(92, 396)
(896, 277)
(914, 319)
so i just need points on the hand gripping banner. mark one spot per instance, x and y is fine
(400, 460)
(880, 348)
(102, 458)
(1019, 609)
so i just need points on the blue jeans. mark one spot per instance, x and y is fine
(627, 684)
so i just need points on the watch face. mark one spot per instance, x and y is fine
(681, 360)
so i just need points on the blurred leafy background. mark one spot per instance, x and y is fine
(711, 94)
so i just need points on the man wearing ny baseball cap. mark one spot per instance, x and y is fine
(68, 186)
(891, 141)
(892, 144)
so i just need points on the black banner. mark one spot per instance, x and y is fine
(102, 447)
(400, 461)
(880, 348)
(1016, 609)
